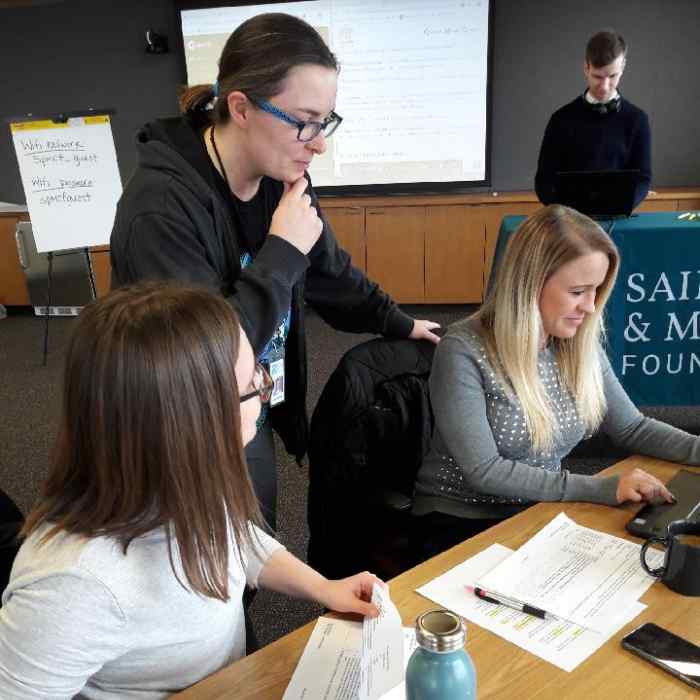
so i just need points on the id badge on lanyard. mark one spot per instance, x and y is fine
(276, 370)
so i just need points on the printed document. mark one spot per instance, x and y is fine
(575, 573)
(340, 651)
(560, 643)
(381, 659)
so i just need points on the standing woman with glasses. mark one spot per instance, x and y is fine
(222, 197)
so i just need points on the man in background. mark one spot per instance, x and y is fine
(599, 130)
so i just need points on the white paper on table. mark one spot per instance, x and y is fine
(409, 646)
(578, 574)
(330, 665)
(560, 643)
(329, 668)
(381, 658)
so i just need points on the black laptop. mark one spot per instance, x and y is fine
(652, 521)
(601, 194)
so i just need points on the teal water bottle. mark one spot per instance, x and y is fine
(440, 668)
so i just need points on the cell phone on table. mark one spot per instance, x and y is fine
(670, 652)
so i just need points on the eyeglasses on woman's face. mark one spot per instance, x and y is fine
(262, 381)
(306, 131)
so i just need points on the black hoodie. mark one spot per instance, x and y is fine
(172, 222)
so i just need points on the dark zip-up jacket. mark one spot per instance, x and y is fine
(172, 223)
(370, 430)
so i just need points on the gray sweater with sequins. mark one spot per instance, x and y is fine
(481, 463)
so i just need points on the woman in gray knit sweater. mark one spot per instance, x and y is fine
(517, 385)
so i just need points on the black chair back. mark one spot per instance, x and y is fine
(369, 433)
(10, 524)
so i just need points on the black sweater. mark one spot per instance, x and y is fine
(172, 223)
(579, 138)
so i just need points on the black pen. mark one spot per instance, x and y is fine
(509, 603)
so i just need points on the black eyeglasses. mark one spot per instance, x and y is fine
(307, 131)
(262, 381)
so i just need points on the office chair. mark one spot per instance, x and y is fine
(369, 433)
(10, 524)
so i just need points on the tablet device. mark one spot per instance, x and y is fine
(600, 193)
(653, 520)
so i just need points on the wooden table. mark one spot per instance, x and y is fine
(503, 669)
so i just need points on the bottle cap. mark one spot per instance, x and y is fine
(440, 631)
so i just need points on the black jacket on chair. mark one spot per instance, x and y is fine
(369, 432)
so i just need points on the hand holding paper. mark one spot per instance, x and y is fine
(381, 663)
(347, 660)
(351, 595)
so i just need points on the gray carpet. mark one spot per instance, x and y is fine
(30, 397)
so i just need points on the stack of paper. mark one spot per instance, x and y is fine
(590, 581)
(346, 660)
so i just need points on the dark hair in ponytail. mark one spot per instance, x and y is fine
(257, 58)
(195, 97)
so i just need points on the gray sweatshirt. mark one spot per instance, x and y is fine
(81, 619)
(481, 463)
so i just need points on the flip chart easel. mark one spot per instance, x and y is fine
(68, 166)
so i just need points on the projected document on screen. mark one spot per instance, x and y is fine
(412, 88)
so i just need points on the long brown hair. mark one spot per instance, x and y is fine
(257, 58)
(512, 324)
(150, 434)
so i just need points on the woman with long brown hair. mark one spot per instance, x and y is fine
(515, 387)
(129, 582)
(222, 197)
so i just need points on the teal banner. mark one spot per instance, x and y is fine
(653, 316)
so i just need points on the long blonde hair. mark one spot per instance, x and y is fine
(512, 324)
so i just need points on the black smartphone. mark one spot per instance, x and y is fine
(672, 653)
